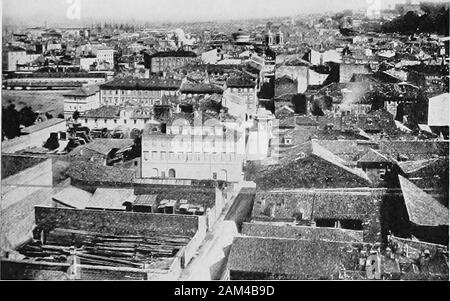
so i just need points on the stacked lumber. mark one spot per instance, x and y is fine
(105, 250)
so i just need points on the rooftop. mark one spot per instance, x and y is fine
(111, 198)
(422, 208)
(42, 125)
(129, 83)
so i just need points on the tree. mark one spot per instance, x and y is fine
(27, 117)
(10, 122)
(76, 115)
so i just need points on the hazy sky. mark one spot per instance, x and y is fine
(176, 10)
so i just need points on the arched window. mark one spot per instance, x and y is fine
(155, 173)
(172, 173)
(223, 175)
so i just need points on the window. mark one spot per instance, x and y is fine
(115, 120)
(163, 174)
(145, 156)
(125, 121)
(135, 121)
(172, 173)
(214, 175)
(85, 121)
(105, 120)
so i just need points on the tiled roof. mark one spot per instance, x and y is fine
(301, 232)
(103, 112)
(174, 54)
(200, 88)
(13, 164)
(155, 83)
(240, 82)
(104, 145)
(372, 156)
(203, 196)
(410, 167)
(42, 125)
(83, 92)
(290, 258)
(422, 208)
(414, 150)
(93, 172)
(73, 197)
(311, 165)
(313, 204)
(145, 200)
(111, 198)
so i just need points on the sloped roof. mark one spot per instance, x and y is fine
(409, 167)
(301, 232)
(372, 156)
(103, 112)
(105, 145)
(73, 197)
(83, 91)
(145, 200)
(43, 125)
(290, 258)
(422, 208)
(311, 165)
(111, 198)
(313, 204)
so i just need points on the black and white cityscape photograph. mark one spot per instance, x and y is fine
(206, 140)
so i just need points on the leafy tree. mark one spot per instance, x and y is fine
(10, 122)
(27, 116)
(76, 115)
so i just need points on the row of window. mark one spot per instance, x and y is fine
(117, 101)
(172, 174)
(125, 121)
(187, 156)
(136, 92)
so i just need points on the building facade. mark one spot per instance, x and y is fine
(143, 92)
(185, 152)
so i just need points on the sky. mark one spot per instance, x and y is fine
(173, 10)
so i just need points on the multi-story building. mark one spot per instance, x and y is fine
(115, 117)
(17, 56)
(144, 92)
(104, 54)
(240, 96)
(166, 61)
(187, 151)
(81, 100)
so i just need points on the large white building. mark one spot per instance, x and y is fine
(204, 150)
(81, 100)
(17, 56)
(104, 54)
(143, 92)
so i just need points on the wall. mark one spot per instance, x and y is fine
(191, 159)
(80, 104)
(20, 193)
(37, 138)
